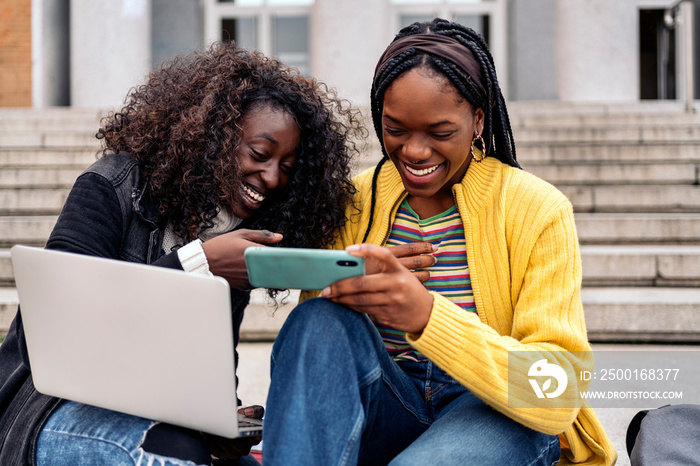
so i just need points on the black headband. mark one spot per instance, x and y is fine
(436, 44)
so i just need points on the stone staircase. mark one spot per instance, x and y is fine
(632, 174)
(631, 171)
(41, 154)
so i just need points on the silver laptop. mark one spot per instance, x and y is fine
(143, 340)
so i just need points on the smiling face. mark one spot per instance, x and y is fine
(428, 130)
(266, 154)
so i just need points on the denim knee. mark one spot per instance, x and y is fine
(78, 434)
(325, 313)
(317, 330)
(324, 321)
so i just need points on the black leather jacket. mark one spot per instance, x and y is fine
(108, 213)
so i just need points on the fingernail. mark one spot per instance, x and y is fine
(353, 247)
(326, 292)
(435, 247)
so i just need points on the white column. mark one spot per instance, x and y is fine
(347, 38)
(596, 50)
(110, 50)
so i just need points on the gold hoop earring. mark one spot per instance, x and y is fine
(483, 148)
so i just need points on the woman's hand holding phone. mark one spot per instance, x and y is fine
(390, 291)
(225, 254)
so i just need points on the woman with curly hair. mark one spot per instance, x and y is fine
(217, 151)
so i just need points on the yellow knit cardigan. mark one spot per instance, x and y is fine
(525, 266)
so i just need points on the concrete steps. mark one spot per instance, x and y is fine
(642, 314)
(598, 115)
(610, 152)
(24, 177)
(636, 133)
(629, 228)
(593, 228)
(611, 173)
(634, 198)
(641, 265)
(632, 173)
(31, 230)
(47, 157)
(33, 200)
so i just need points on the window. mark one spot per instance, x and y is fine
(472, 13)
(279, 28)
(242, 30)
(487, 17)
(480, 23)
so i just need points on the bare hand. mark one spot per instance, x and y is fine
(254, 411)
(389, 292)
(234, 449)
(414, 256)
(225, 254)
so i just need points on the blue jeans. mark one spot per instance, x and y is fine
(81, 435)
(337, 398)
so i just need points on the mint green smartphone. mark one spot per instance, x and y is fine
(297, 268)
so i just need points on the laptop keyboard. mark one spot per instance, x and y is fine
(247, 424)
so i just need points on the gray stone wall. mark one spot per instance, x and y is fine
(177, 28)
(531, 50)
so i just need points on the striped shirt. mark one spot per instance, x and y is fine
(449, 276)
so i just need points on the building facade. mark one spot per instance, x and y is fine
(15, 53)
(85, 53)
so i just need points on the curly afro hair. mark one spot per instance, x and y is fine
(184, 127)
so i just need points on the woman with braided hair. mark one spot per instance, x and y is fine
(218, 151)
(472, 264)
